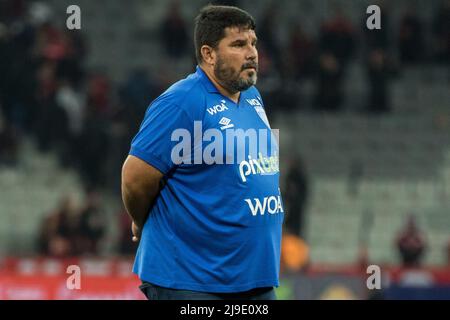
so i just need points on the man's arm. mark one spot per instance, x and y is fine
(140, 187)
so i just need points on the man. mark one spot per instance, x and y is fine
(207, 229)
(411, 244)
(296, 196)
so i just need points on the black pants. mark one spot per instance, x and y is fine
(154, 292)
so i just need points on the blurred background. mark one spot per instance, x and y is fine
(364, 120)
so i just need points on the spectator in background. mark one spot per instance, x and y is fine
(337, 38)
(296, 195)
(57, 231)
(51, 123)
(70, 65)
(11, 10)
(411, 41)
(299, 56)
(94, 138)
(4, 66)
(93, 151)
(99, 95)
(329, 93)
(72, 102)
(18, 66)
(268, 37)
(9, 142)
(379, 72)
(51, 47)
(69, 231)
(336, 47)
(441, 31)
(411, 244)
(91, 226)
(173, 32)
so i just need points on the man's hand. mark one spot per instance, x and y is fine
(136, 232)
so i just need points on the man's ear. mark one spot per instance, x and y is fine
(208, 54)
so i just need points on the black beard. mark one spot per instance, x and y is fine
(231, 80)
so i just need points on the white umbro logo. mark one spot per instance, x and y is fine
(225, 122)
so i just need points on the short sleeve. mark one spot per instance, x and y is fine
(153, 143)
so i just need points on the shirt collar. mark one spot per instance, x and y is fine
(210, 87)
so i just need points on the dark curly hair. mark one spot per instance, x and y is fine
(211, 22)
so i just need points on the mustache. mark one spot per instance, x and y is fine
(250, 65)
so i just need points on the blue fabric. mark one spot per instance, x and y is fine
(213, 227)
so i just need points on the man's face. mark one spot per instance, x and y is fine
(236, 64)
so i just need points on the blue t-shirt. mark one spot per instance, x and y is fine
(216, 224)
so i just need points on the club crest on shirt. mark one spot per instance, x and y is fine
(256, 103)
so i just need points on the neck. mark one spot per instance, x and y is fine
(233, 96)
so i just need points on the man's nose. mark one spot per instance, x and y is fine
(252, 53)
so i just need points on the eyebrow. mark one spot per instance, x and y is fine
(243, 40)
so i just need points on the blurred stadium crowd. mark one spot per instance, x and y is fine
(50, 95)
